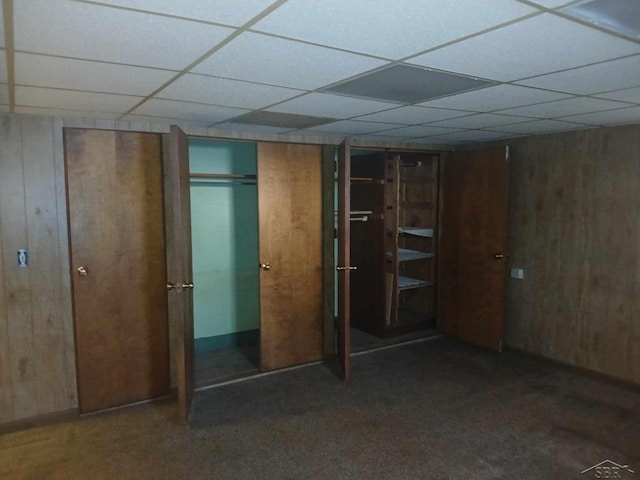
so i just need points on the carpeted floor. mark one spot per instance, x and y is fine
(436, 409)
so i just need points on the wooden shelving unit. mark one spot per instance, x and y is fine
(393, 291)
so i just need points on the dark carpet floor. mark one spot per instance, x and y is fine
(431, 410)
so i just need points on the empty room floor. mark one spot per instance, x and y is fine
(436, 409)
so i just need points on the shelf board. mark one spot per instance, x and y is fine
(405, 254)
(418, 231)
(405, 283)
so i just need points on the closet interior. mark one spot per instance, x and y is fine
(224, 225)
(394, 218)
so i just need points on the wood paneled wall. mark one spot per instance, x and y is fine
(575, 229)
(37, 362)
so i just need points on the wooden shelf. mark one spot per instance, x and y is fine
(405, 255)
(406, 283)
(417, 231)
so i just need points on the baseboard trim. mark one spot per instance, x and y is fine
(40, 421)
(603, 377)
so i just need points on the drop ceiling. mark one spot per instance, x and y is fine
(332, 67)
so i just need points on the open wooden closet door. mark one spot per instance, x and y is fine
(290, 243)
(344, 258)
(179, 267)
(472, 248)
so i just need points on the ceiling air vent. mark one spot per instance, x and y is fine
(620, 16)
(407, 84)
(283, 120)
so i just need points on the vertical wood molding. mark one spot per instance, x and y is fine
(6, 397)
(328, 242)
(66, 306)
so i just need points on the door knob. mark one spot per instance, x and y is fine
(265, 266)
(82, 271)
(171, 286)
(188, 286)
(340, 267)
(499, 256)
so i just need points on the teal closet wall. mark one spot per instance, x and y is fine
(224, 220)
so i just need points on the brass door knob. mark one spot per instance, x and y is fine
(82, 271)
(265, 266)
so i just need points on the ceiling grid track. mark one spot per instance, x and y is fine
(202, 58)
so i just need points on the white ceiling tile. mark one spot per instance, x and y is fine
(4, 94)
(480, 120)
(352, 127)
(3, 66)
(330, 106)
(552, 3)
(496, 98)
(412, 115)
(56, 112)
(539, 126)
(627, 95)
(62, 27)
(610, 117)
(471, 136)
(602, 77)
(562, 108)
(420, 131)
(390, 30)
(189, 111)
(56, 72)
(381, 138)
(265, 59)
(244, 127)
(73, 100)
(220, 91)
(434, 141)
(539, 45)
(230, 12)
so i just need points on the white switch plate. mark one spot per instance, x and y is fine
(517, 273)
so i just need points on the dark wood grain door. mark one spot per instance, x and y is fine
(114, 185)
(472, 246)
(179, 282)
(344, 259)
(290, 224)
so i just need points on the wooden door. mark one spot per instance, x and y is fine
(344, 259)
(473, 246)
(290, 224)
(179, 282)
(114, 185)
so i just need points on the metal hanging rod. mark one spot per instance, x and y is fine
(223, 176)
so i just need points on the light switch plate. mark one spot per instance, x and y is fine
(517, 273)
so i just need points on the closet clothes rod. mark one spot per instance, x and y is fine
(223, 176)
(221, 184)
